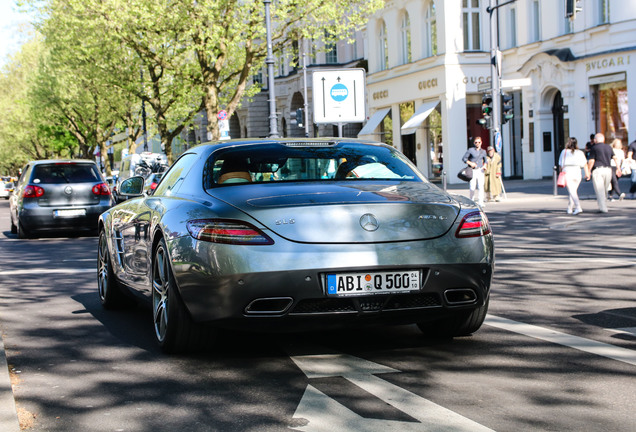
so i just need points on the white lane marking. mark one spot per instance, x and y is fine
(587, 345)
(617, 262)
(39, 271)
(325, 414)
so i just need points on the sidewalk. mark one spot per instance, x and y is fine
(539, 189)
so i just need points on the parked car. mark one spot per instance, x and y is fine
(295, 234)
(58, 195)
(5, 189)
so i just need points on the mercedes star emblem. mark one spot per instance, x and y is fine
(369, 222)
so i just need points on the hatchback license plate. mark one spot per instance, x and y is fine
(70, 213)
(352, 284)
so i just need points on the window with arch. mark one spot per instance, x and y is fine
(472, 28)
(383, 48)
(405, 31)
(430, 31)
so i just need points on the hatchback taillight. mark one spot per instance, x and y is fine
(474, 224)
(101, 189)
(32, 191)
(228, 232)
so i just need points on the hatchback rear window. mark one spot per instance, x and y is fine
(65, 173)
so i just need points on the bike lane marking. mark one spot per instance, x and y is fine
(322, 413)
(582, 344)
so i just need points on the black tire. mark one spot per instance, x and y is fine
(22, 232)
(14, 229)
(175, 331)
(461, 323)
(110, 291)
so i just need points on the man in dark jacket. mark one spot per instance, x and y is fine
(599, 164)
(477, 159)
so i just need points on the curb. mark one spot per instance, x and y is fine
(8, 413)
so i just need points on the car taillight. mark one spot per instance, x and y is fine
(474, 224)
(227, 232)
(101, 189)
(31, 191)
(153, 186)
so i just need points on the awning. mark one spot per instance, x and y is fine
(420, 115)
(374, 121)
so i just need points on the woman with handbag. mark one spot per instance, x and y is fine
(571, 161)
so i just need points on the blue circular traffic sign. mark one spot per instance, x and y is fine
(222, 115)
(339, 92)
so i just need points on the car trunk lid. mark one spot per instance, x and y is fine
(347, 212)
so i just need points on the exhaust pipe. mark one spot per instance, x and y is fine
(269, 306)
(460, 296)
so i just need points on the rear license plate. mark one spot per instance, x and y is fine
(352, 284)
(70, 213)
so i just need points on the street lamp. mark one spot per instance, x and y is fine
(269, 60)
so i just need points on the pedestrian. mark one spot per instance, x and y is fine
(493, 175)
(477, 159)
(571, 161)
(599, 169)
(631, 159)
(617, 163)
(588, 146)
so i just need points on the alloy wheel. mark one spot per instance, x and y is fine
(160, 293)
(102, 268)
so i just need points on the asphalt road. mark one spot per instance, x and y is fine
(557, 352)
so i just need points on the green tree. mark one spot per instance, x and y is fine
(228, 38)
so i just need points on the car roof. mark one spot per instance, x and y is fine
(50, 161)
(318, 142)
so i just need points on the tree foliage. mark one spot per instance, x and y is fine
(99, 59)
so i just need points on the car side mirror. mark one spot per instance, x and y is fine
(130, 188)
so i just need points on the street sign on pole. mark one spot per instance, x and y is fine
(339, 96)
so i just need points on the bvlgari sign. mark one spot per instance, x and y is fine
(607, 63)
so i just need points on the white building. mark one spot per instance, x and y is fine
(429, 62)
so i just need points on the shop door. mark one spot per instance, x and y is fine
(408, 147)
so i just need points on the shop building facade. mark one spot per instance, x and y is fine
(429, 63)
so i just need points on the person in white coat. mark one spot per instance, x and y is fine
(571, 161)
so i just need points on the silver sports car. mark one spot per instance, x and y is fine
(295, 234)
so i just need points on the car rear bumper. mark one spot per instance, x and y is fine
(298, 298)
(44, 219)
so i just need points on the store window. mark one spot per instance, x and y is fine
(433, 128)
(611, 109)
(386, 129)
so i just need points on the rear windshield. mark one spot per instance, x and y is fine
(65, 173)
(283, 163)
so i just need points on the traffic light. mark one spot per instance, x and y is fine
(300, 117)
(486, 105)
(506, 108)
(486, 112)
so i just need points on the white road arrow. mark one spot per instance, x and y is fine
(322, 413)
